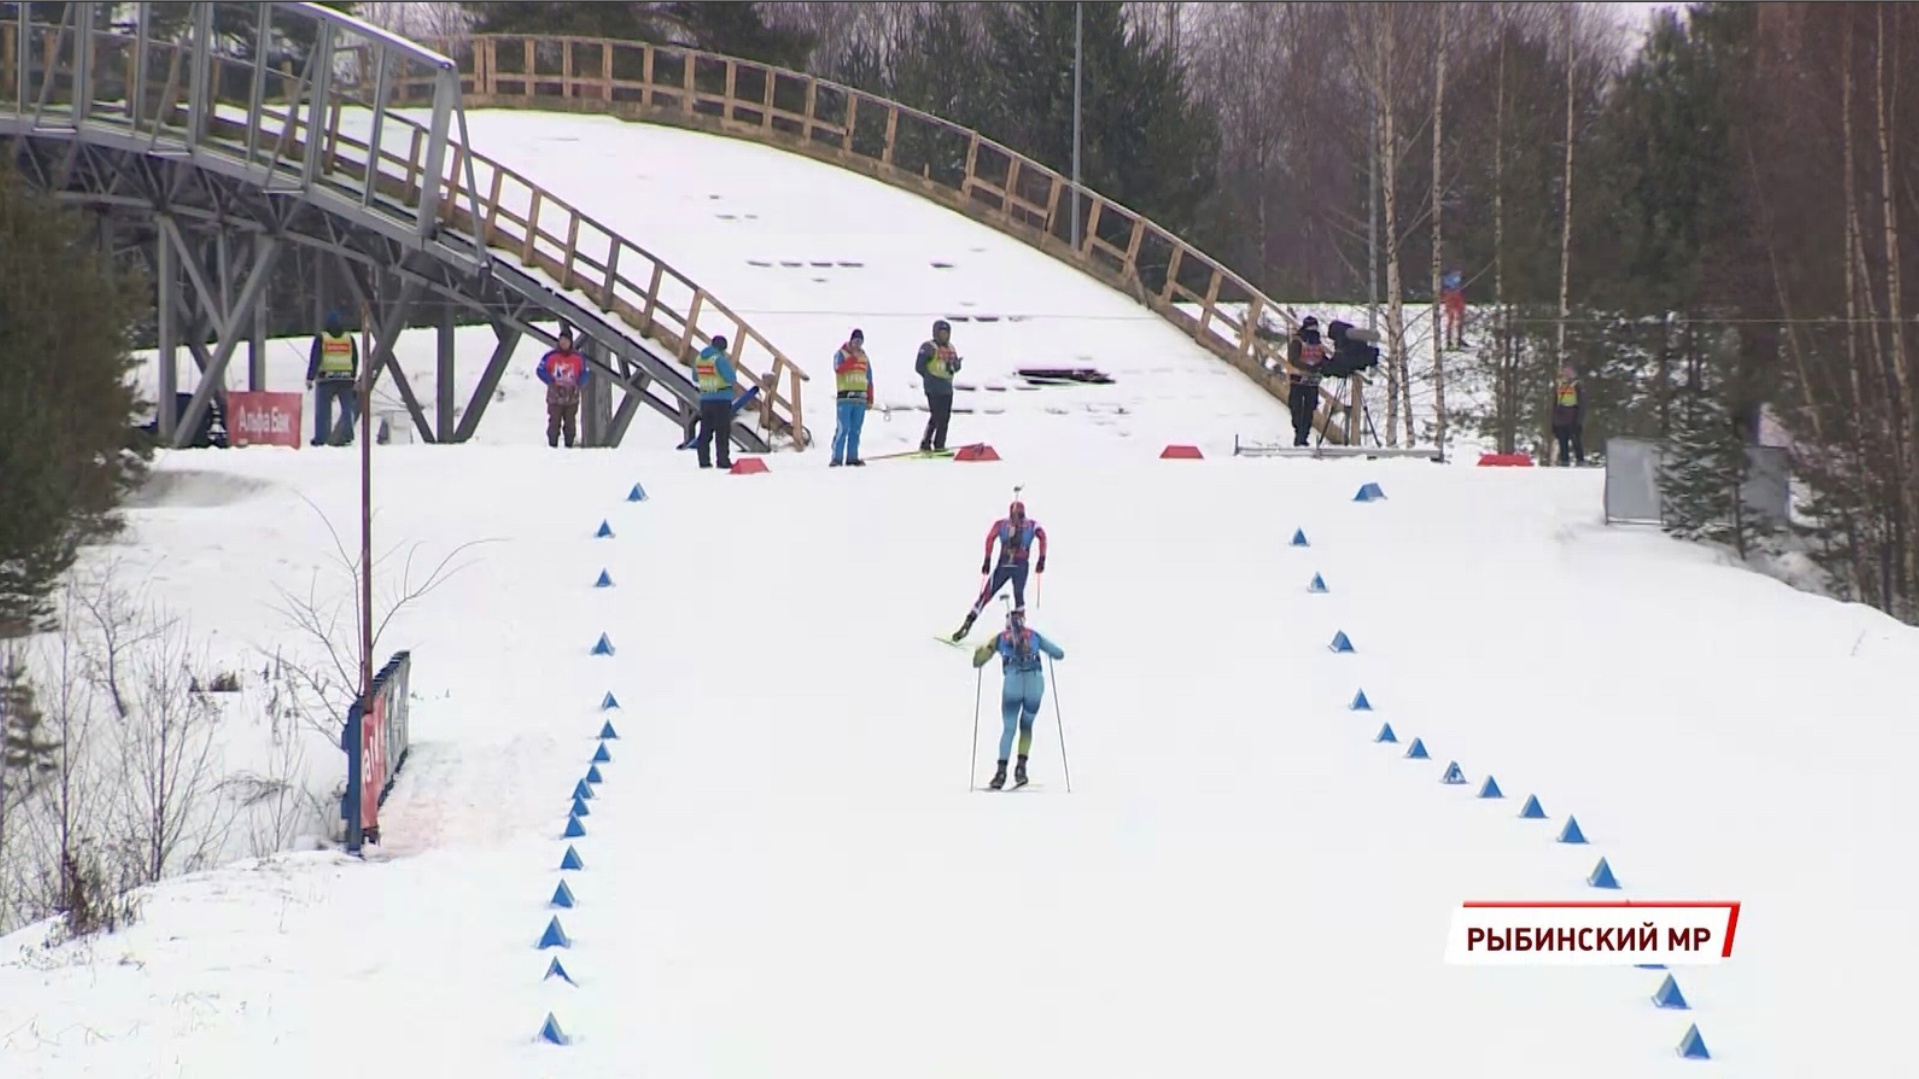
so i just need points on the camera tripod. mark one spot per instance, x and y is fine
(1338, 398)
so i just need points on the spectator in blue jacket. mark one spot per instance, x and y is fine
(1019, 647)
(717, 379)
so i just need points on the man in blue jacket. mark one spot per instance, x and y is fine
(716, 378)
(1019, 647)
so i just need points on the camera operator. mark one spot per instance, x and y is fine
(1306, 354)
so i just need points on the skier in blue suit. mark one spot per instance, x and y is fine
(1019, 647)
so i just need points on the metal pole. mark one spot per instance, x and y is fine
(1077, 41)
(366, 512)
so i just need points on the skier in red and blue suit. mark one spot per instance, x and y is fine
(1019, 646)
(1016, 533)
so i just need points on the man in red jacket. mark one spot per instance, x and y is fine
(564, 371)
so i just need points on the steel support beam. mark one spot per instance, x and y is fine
(82, 102)
(508, 339)
(445, 372)
(166, 285)
(321, 64)
(387, 332)
(228, 331)
(200, 97)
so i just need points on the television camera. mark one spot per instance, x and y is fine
(1354, 350)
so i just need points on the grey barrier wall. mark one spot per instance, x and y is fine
(1632, 482)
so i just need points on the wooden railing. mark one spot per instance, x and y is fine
(514, 215)
(907, 148)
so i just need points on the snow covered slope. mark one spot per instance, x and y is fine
(807, 252)
(785, 872)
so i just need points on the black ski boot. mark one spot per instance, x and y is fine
(1019, 772)
(965, 628)
(999, 778)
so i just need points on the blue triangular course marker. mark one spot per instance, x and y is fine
(1417, 751)
(582, 790)
(574, 829)
(1602, 876)
(555, 970)
(1369, 493)
(1385, 734)
(1299, 538)
(637, 494)
(579, 807)
(1669, 996)
(550, 1031)
(603, 646)
(1571, 833)
(605, 581)
(1340, 642)
(609, 701)
(607, 731)
(601, 756)
(593, 774)
(1360, 703)
(1453, 774)
(562, 897)
(1692, 1046)
(554, 937)
(1490, 789)
(1318, 584)
(605, 532)
(571, 860)
(1531, 810)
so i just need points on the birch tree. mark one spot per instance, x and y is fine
(1440, 48)
(1907, 431)
(1566, 211)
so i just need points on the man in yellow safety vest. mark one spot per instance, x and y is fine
(716, 379)
(853, 381)
(332, 366)
(1569, 416)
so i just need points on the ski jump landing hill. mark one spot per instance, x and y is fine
(685, 795)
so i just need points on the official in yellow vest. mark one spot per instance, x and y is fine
(1569, 416)
(936, 366)
(717, 380)
(853, 381)
(333, 366)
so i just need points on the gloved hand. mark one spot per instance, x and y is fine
(986, 566)
(1041, 568)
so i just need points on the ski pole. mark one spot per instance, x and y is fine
(972, 758)
(1066, 767)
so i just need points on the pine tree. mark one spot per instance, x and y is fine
(69, 450)
(27, 758)
(1704, 468)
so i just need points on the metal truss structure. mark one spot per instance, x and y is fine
(221, 154)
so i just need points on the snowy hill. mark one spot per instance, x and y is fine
(784, 872)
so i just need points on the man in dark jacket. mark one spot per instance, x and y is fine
(1304, 355)
(936, 366)
(1569, 416)
(333, 364)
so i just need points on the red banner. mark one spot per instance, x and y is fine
(373, 778)
(263, 419)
